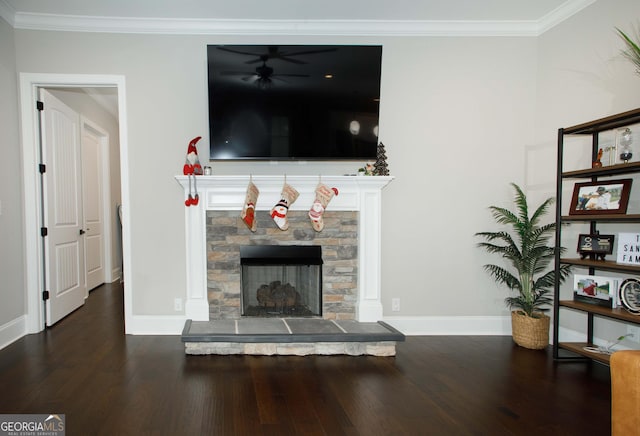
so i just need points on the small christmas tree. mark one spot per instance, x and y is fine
(381, 167)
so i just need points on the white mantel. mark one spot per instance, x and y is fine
(356, 193)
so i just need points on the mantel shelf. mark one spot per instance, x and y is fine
(219, 192)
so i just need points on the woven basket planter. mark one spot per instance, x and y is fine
(532, 333)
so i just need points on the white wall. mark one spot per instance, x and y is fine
(458, 117)
(13, 305)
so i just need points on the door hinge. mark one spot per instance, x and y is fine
(42, 168)
(45, 295)
(43, 231)
(39, 105)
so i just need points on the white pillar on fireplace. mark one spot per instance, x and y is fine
(359, 193)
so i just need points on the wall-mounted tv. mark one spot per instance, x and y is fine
(293, 102)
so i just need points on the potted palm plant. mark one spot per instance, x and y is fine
(527, 251)
(632, 51)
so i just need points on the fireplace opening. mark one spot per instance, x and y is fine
(281, 281)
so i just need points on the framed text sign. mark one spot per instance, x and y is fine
(595, 245)
(629, 248)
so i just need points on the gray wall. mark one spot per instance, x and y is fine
(461, 117)
(11, 229)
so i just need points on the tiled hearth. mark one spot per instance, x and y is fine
(290, 336)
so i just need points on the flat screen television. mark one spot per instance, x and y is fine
(293, 102)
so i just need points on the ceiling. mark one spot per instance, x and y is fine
(330, 17)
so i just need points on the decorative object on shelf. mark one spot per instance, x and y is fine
(600, 197)
(207, 170)
(324, 194)
(192, 168)
(366, 170)
(625, 152)
(526, 250)
(279, 212)
(598, 290)
(598, 162)
(248, 214)
(595, 246)
(632, 51)
(630, 295)
(608, 347)
(381, 167)
(629, 248)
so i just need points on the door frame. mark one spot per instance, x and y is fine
(29, 83)
(86, 125)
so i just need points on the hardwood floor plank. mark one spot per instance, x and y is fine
(109, 383)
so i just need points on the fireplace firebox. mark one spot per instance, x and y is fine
(282, 281)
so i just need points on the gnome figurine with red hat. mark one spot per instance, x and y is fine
(192, 168)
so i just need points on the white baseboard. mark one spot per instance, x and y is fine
(13, 330)
(474, 326)
(116, 274)
(155, 325)
(451, 325)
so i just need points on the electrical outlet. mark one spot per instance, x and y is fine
(395, 305)
(177, 304)
(634, 330)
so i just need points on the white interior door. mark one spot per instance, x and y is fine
(62, 203)
(92, 190)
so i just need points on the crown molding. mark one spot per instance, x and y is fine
(561, 13)
(7, 13)
(189, 26)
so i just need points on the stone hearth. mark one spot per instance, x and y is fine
(290, 336)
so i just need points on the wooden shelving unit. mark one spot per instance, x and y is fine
(593, 129)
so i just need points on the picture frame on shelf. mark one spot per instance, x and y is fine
(600, 197)
(595, 245)
(598, 290)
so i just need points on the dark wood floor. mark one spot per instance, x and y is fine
(108, 383)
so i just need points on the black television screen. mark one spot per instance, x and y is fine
(293, 102)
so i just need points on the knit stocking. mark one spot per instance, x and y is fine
(323, 197)
(248, 214)
(279, 211)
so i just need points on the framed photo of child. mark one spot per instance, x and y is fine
(600, 197)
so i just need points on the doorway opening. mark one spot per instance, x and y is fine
(30, 84)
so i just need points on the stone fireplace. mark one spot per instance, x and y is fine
(350, 242)
(227, 236)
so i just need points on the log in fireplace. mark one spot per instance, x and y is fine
(281, 280)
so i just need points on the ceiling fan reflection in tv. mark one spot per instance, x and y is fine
(264, 75)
